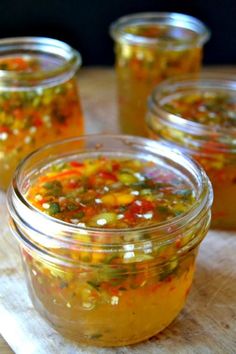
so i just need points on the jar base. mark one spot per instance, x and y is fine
(93, 340)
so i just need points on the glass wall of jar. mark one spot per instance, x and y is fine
(90, 275)
(151, 47)
(39, 100)
(198, 116)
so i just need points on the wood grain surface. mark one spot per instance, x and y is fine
(208, 322)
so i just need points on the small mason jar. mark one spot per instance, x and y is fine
(92, 283)
(39, 100)
(197, 115)
(151, 47)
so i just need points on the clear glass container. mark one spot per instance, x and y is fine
(204, 128)
(39, 100)
(92, 284)
(151, 47)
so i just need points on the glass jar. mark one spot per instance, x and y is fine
(39, 100)
(151, 47)
(92, 284)
(202, 124)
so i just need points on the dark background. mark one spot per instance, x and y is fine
(84, 24)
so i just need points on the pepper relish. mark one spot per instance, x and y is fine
(34, 115)
(207, 107)
(111, 193)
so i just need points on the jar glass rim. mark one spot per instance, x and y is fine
(213, 81)
(118, 29)
(202, 204)
(71, 59)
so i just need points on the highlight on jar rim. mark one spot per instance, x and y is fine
(196, 114)
(57, 57)
(120, 29)
(79, 272)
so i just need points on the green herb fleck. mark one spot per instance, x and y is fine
(79, 215)
(96, 336)
(186, 193)
(162, 209)
(72, 207)
(63, 284)
(54, 208)
(93, 284)
(54, 188)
